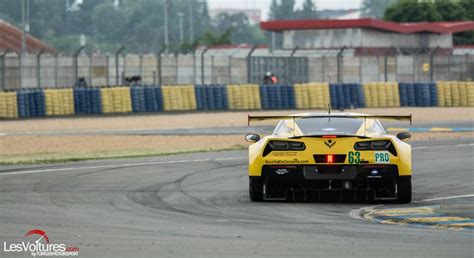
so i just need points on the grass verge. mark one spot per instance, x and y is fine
(50, 158)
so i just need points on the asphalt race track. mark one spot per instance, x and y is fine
(197, 205)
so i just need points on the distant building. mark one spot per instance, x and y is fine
(254, 15)
(11, 39)
(367, 36)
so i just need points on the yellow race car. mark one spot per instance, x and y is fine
(335, 156)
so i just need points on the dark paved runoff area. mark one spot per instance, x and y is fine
(196, 205)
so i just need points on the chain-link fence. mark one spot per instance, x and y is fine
(230, 67)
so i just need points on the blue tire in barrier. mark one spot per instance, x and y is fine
(333, 95)
(224, 105)
(134, 94)
(150, 103)
(87, 101)
(21, 103)
(346, 91)
(264, 98)
(402, 92)
(210, 97)
(361, 94)
(291, 96)
(433, 94)
(31, 103)
(158, 104)
(411, 96)
(422, 94)
(284, 97)
(198, 91)
(218, 97)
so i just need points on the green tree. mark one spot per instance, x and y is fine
(109, 22)
(434, 11)
(282, 10)
(412, 11)
(450, 10)
(308, 11)
(212, 39)
(242, 30)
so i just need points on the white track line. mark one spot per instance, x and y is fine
(448, 197)
(119, 165)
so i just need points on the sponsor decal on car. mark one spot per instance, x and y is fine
(382, 157)
(284, 153)
(286, 161)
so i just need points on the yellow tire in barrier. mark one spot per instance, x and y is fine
(243, 96)
(447, 93)
(389, 94)
(470, 93)
(116, 100)
(367, 95)
(382, 94)
(8, 105)
(455, 98)
(180, 97)
(396, 94)
(59, 102)
(312, 95)
(300, 98)
(440, 85)
(326, 94)
(374, 94)
(462, 94)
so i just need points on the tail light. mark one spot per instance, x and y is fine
(282, 146)
(329, 158)
(286, 145)
(376, 145)
(373, 145)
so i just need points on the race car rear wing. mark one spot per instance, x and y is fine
(384, 117)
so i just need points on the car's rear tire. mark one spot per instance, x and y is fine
(255, 188)
(404, 189)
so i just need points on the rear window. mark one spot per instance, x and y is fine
(316, 126)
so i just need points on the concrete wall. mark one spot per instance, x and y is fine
(322, 38)
(352, 38)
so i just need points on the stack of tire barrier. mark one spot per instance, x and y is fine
(418, 94)
(8, 105)
(455, 94)
(279, 96)
(312, 95)
(146, 99)
(59, 102)
(181, 97)
(87, 101)
(243, 96)
(31, 103)
(346, 95)
(116, 100)
(211, 97)
(381, 94)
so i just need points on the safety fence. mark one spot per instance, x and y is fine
(156, 98)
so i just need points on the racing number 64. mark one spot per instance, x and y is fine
(354, 157)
